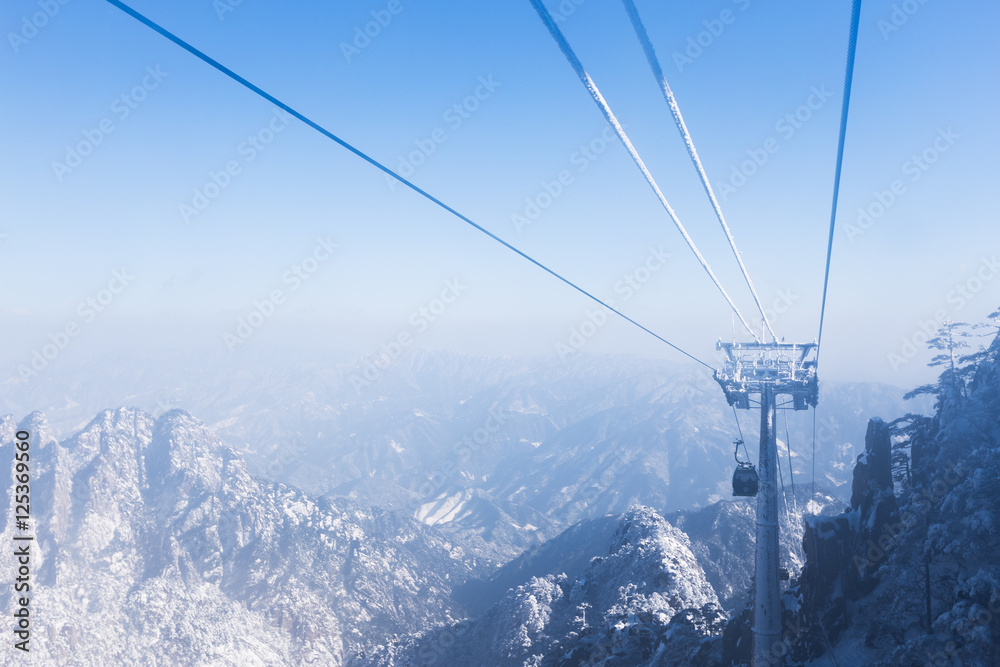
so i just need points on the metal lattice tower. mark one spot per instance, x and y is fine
(768, 370)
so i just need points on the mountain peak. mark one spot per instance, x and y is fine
(622, 605)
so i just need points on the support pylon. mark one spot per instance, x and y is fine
(768, 370)
(767, 606)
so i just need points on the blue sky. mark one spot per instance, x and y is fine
(929, 78)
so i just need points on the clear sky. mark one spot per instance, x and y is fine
(112, 136)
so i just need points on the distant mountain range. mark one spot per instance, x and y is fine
(504, 444)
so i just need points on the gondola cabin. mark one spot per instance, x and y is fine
(745, 480)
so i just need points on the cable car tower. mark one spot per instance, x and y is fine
(767, 371)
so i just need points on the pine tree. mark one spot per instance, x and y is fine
(951, 388)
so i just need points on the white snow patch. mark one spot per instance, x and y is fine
(440, 510)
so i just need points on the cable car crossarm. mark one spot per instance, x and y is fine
(609, 116)
(668, 94)
(784, 367)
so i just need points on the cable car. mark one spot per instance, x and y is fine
(745, 481)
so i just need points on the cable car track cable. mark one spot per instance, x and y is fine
(852, 46)
(609, 116)
(791, 471)
(814, 455)
(378, 165)
(668, 94)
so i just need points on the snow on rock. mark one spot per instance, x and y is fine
(156, 546)
(644, 602)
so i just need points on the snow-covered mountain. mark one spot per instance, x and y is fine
(155, 545)
(643, 601)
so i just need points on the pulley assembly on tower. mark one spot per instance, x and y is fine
(784, 366)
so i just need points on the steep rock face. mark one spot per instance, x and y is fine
(844, 552)
(873, 470)
(842, 555)
(623, 609)
(157, 529)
